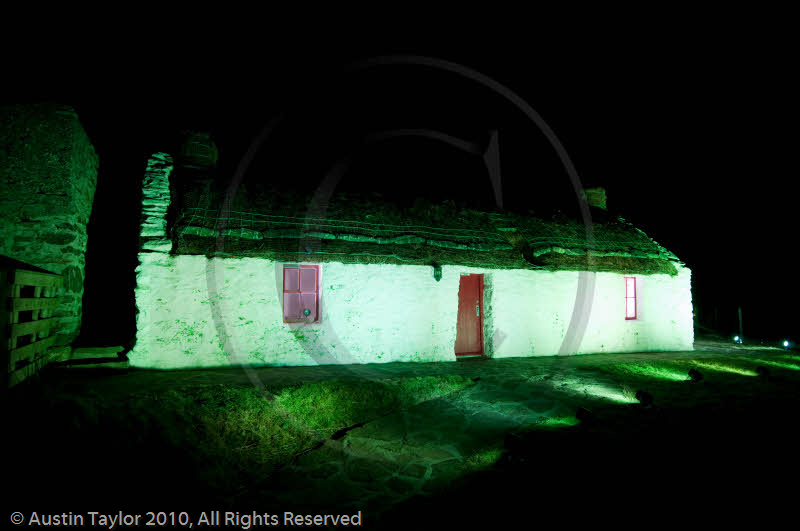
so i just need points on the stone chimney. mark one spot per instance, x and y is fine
(596, 197)
(197, 151)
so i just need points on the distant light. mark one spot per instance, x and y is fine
(737, 339)
(786, 344)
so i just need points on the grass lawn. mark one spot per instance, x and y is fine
(217, 439)
(732, 435)
(721, 450)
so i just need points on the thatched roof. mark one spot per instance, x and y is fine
(351, 230)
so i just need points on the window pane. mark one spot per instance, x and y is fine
(291, 279)
(630, 308)
(291, 305)
(308, 279)
(310, 303)
(630, 286)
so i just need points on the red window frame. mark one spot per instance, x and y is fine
(301, 291)
(633, 297)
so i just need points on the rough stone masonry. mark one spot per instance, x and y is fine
(48, 176)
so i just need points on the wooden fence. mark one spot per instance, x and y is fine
(29, 299)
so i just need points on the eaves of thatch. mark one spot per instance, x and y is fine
(461, 237)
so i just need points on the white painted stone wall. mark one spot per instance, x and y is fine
(199, 312)
(532, 312)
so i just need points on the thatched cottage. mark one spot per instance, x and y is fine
(219, 286)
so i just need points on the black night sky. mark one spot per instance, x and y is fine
(687, 129)
(687, 119)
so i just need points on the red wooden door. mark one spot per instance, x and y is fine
(469, 327)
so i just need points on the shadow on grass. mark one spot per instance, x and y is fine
(193, 446)
(635, 465)
(729, 437)
(712, 451)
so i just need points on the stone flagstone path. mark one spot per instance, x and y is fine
(423, 449)
(420, 450)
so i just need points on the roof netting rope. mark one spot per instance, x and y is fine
(485, 232)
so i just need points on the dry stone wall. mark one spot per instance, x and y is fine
(48, 176)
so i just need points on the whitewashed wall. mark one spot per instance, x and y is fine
(532, 312)
(199, 312)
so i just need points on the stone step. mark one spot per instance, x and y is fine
(117, 364)
(94, 358)
(93, 363)
(84, 353)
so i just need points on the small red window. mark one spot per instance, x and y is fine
(630, 298)
(300, 293)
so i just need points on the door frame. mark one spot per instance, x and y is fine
(482, 352)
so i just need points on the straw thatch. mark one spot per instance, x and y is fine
(353, 231)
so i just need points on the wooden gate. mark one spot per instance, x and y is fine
(29, 299)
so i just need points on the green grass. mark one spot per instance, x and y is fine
(556, 422)
(722, 366)
(776, 363)
(246, 423)
(224, 437)
(482, 459)
(636, 371)
(229, 442)
(243, 427)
